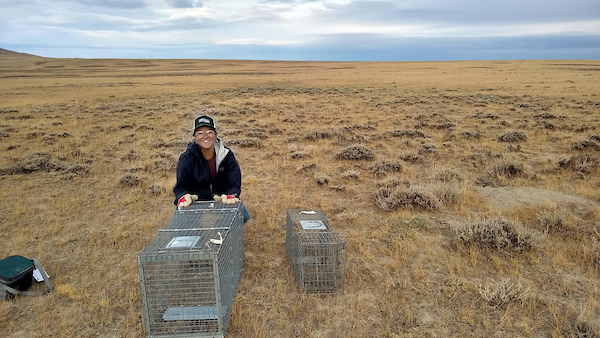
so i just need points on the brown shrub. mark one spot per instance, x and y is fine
(427, 148)
(129, 180)
(442, 126)
(497, 233)
(411, 157)
(513, 136)
(143, 128)
(322, 178)
(506, 169)
(166, 164)
(487, 182)
(246, 142)
(40, 161)
(168, 144)
(545, 116)
(384, 167)
(413, 196)
(154, 189)
(256, 134)
(407, 133)
(131, 156)
(448, 194)
(352, 173)
(470, 134)
(585, 145)
(545, 125)
(77, 169)
(575, 327)
(318, 135)
(552, 221)
(347, 135)
(392, 183)
(275, 131)
(504, 291)
(447, 175)
(298, 154)
(515, 148)
(483, 115)
(580, 163)
(356, 152)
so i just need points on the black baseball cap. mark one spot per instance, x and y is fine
(204, 120)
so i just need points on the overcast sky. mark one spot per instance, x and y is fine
(327, 30)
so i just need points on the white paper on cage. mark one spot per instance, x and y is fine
(312, 225)
(183, 242)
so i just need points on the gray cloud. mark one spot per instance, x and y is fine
(130, 4)
(289, 1)
(361, 47)
(183, 24)
(370, 47)
(466, 12)
(304, 29)
(184, 3)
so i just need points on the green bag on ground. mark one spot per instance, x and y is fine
(16, 275)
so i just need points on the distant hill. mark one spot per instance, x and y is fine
(6, 52)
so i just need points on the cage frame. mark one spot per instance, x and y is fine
(217, 265)
(308, 248)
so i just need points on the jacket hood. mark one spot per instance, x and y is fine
(220, 150)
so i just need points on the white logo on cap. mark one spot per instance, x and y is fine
(204, 120)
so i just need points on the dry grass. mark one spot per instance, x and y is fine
(393, 153)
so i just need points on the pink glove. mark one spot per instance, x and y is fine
(186, 200)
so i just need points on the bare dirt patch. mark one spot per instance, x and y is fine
(505, 198)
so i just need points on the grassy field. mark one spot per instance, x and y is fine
(397, 154)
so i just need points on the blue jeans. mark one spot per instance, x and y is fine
(246, 213)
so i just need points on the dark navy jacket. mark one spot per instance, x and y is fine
(193, 174)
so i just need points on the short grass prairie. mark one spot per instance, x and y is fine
(394, 153)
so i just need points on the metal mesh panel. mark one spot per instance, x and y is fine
(315, 251)
(190, 271)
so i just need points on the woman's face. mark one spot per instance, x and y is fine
(205, 137)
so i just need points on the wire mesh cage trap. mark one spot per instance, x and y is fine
(315, 251)
(189, 272)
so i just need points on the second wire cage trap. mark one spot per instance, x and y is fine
(315, 251)
(189, 272)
